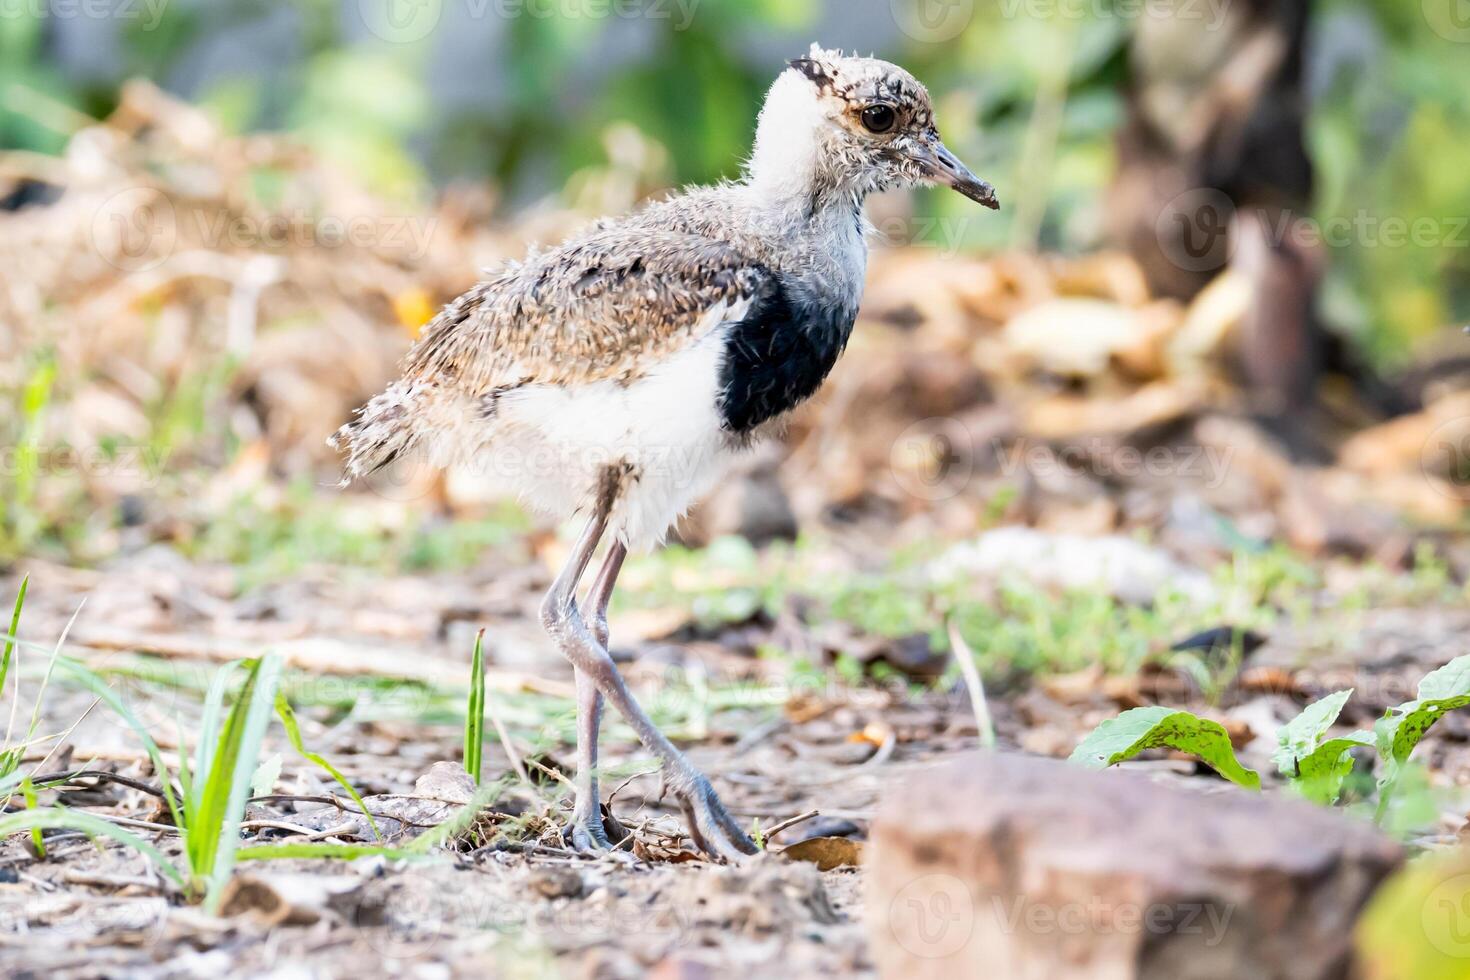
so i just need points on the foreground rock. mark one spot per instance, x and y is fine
(1018, 867)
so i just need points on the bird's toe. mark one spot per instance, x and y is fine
(586, 832)
(588, 837)
(714, 831)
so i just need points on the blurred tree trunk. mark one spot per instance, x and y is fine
(1214, 175)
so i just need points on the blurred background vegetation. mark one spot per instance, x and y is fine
(459, 131)
(1031, 92)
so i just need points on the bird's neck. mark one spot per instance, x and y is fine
(790, 170)
(795, 200)
(787, 176)
(812, 231)
(807, 194)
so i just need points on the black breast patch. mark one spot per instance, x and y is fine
(778, 355)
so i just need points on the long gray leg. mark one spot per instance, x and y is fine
(711, 826)
(587, 830)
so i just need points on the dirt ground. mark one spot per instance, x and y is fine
(513, 900)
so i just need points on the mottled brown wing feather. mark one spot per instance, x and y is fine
(601, 306)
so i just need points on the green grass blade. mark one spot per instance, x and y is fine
(92, 682)
(340, 852)
(209, 723)
(10, 637)
(293, 732)
(60, 818)
(28, 790)
(233, 767)
(474, 721)
(10, 759)
(211, 797)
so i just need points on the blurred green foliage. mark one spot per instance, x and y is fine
(1028, 93)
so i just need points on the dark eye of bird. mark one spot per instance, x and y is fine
(879, 118)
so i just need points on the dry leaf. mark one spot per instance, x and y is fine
(826, 852)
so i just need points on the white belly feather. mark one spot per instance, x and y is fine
(552, 444)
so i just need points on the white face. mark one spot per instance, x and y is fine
(856, 124)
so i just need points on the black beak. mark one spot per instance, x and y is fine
(943, 167)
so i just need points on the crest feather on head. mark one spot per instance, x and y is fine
(819, 65)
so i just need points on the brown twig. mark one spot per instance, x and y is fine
(343, 805)
(65, 777)
(792, 822)
(559, 777)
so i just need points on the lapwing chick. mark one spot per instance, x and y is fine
(616, 374)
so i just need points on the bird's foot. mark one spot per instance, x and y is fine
(712, 828)
(586, 832)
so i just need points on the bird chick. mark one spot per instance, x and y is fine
(617, 373)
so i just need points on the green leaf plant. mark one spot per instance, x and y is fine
(1313, 762)
(1121, 738)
